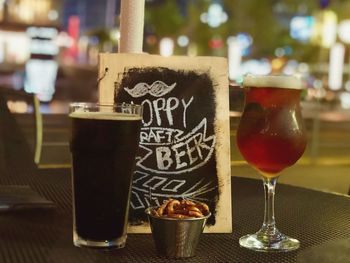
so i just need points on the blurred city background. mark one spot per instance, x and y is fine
(49, 48)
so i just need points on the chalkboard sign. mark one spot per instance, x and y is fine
(184, 141)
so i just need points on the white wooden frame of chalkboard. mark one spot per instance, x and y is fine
(111, 68)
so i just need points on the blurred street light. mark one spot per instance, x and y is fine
(336, 66)
(325, 29)
(257, 67)
(301, 27)
(234, 58)
(183, 41)
(215, 15)
(52, 15)
(345, 100)
(41, 68)
(344, 31)
(166, 47)
(245, 41)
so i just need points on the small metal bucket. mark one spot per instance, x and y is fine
(176, 238)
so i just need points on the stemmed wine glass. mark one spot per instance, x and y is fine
(271, 137)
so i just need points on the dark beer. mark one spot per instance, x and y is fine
(103, 148)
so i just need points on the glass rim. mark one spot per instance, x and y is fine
(112, 105)
(278, 81)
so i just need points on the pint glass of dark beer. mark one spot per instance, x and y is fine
(104, 142)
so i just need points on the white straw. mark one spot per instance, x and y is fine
(132, 15)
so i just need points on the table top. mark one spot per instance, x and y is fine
(313, 217)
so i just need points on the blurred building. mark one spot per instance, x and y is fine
(92, 14)
(28, 49)
(19, 13)
(15, 17)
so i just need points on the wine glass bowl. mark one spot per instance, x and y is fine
(271, 137)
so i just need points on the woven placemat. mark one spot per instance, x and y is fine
(311, 216)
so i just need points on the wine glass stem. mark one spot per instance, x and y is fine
(269, 225)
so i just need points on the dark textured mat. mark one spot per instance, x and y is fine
(46, 236)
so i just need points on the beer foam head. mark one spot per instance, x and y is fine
(105, 116)
(280, 81)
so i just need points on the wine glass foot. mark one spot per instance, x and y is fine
(257, 243)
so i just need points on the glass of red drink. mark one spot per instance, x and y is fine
(271, 137)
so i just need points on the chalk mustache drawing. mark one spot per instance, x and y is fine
(156, 89)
